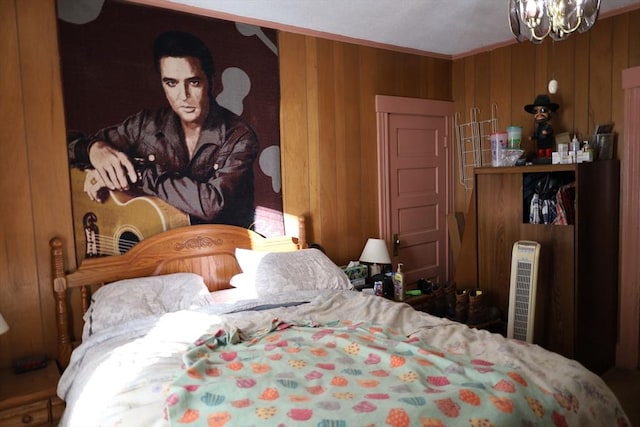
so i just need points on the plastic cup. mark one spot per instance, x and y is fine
(498, 145)
(514, 136)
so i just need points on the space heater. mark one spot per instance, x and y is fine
(522, 292)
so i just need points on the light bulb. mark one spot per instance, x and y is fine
(553, 86)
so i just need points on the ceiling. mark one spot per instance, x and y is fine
(448, 28)
(445, 27)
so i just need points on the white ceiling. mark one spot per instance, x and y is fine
(445, 27)
(449, 28)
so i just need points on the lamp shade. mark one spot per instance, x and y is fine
(3, 325)
(375, 252)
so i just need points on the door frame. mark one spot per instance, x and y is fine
(628, 350)
(387, 105)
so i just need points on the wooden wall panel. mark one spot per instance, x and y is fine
(341, 81)
(523, 72)
(32, 158)
(563, 66)
(482, 88)
(368, 75)
(17, 255)
(619, 61)
(348, 151)
(600, 74)
(294, 142)
(581, 86)
(44, 120)
(542, 73)
(328, 113)
(634, 37)
(500, 83)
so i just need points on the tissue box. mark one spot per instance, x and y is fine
(571, 157)
(356, 274)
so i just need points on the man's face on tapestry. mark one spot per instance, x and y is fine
(186, 87)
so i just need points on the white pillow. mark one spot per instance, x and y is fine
(130, 299)
(249, 260)
(243, 281)
(274, 272)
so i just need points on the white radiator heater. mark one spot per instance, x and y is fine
(522, 291)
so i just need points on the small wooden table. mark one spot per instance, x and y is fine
(30, 398)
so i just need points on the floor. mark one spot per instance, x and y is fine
(626, 385)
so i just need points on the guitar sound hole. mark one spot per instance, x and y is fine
(126, 241)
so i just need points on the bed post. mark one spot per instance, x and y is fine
(60, 295)
(302, 233)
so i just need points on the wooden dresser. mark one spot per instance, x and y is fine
(576, 310)
(29, 399)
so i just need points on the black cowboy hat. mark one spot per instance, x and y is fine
(541, 101)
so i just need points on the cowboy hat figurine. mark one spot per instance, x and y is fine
(542, 108)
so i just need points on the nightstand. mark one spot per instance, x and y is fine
(425, 303)
(30, 398)
(419, 302)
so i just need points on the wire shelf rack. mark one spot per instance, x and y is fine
(474, 143)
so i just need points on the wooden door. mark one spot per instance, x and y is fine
(414, 183)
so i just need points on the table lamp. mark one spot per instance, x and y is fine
(3, 325)
(375, 252)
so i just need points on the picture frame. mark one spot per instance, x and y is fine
(603, 142)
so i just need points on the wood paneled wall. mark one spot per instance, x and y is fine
(328, 146)
(33, 175)
(328, 127)
(588, 68)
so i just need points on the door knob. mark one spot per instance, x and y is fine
(396, 244)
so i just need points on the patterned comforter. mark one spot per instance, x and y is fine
(340, 359)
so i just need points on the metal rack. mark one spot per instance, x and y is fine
(474, 143)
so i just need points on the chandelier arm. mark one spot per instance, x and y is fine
(542, 37)
(571, 30)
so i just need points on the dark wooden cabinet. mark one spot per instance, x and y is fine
(576, 310)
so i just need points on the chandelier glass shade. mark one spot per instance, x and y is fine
(534, 20)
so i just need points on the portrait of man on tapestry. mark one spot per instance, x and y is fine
(172, 120)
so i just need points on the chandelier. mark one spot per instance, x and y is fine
(534, 20)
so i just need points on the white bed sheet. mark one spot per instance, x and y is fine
(234, 295)
(121, 377)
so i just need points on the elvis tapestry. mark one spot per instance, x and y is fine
(172, 120)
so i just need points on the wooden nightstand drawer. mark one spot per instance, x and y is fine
(29, 399)
(32, 414)
(420, 302)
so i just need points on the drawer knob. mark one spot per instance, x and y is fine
(27, 419)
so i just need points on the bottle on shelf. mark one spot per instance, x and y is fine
(398, 283)
(574, 147)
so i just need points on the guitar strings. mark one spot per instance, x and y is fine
(106, 243)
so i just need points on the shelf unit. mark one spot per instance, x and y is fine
(576, 314)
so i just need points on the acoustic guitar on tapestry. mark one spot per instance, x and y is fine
(120, 221)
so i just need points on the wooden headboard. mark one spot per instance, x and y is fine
(208, 250)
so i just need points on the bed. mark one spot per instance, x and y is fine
(215, 325)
